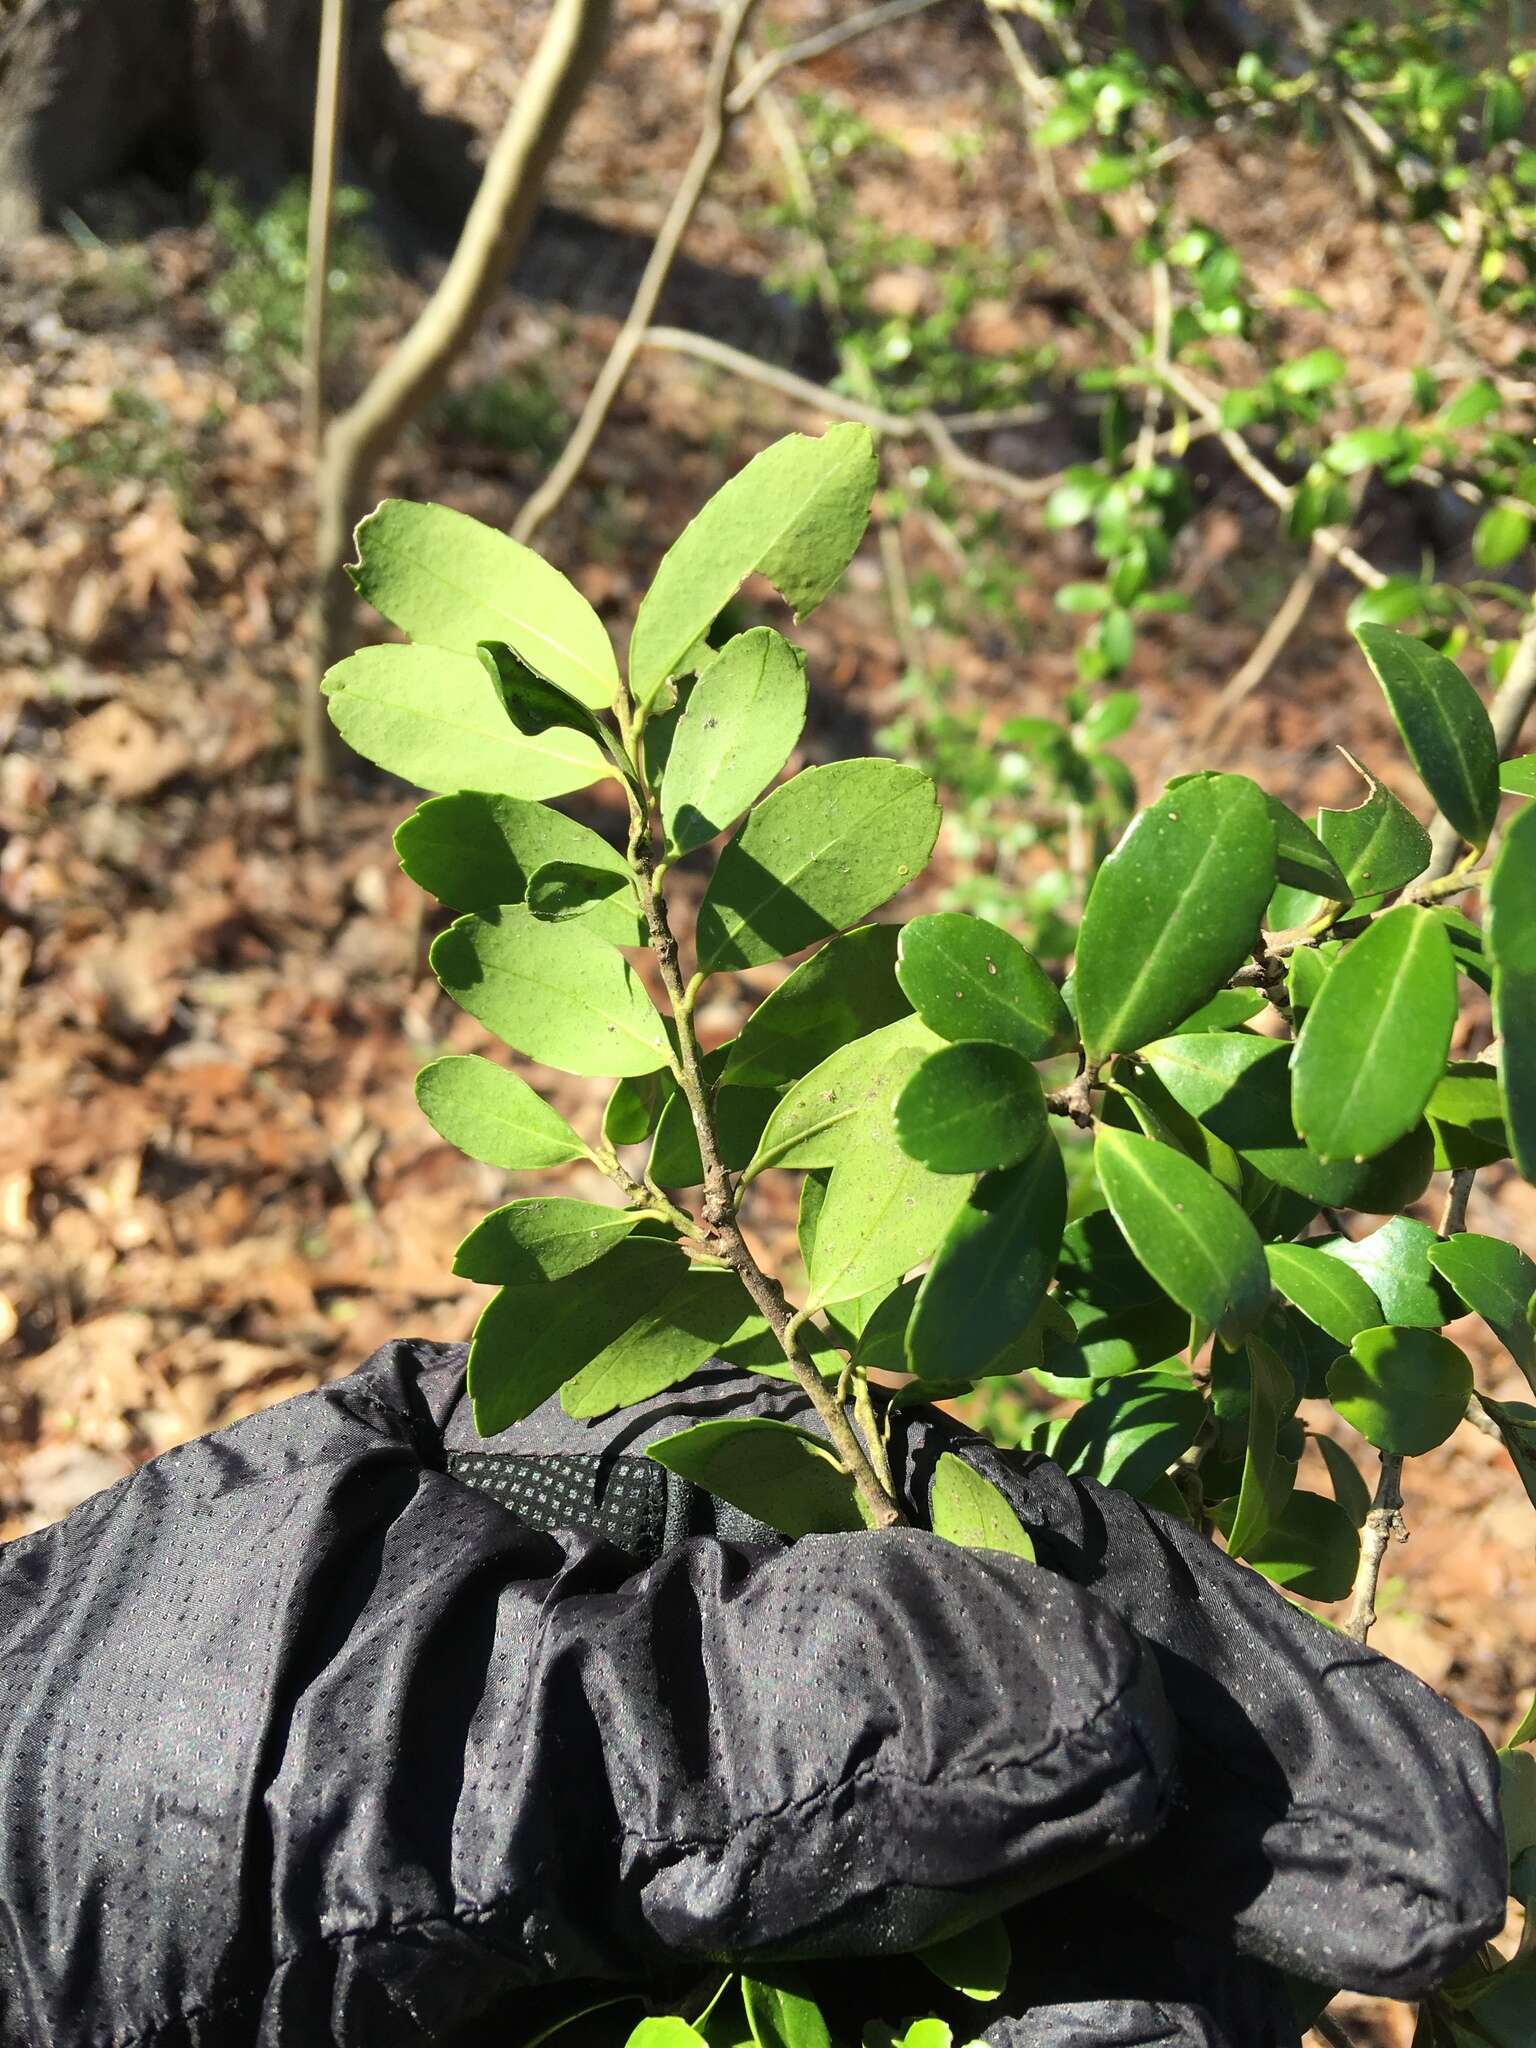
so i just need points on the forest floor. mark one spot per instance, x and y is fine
(215, 1187)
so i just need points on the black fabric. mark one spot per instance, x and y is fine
(303, 1739)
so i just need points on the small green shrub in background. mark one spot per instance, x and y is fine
(138, 441)
(518, 415)
(1117, 1190)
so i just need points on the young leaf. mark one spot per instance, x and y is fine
(1511, 936)
(533, 703)
(781, 2015)
(1328, 1293)
(967, 979)
(1267, 1477)
(1496, 1281)
(781, 1475)
(702, 1311)
(977, 1962)
(1379, 845)
(1405, 1390)
(964, 1507)
(1466, 1115)
(882, 1215)
(1301, 859)
(848, 1098)
(552, 991)
(1131, 1429)
(845, 990)
(493, 1116)
(448, 581)
(563, 890)
(663, 2030)
(543, 1238)
(1518, 777)
(1394, 1263)
(1446, 730)
(816, 855)
(738, 729)
(969, 1108)
(477, 852)
(1173, 911)
(531, 1339)
(1189, 1233)
(434, 719)
(795, 514)
(1311, 1549)
(990, 1274)
(1375, 1041)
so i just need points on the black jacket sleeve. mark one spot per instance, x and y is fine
(304, 1739)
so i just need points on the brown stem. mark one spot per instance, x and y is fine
(1384, 1521)
(1454, 1215)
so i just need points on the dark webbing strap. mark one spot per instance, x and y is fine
(631, 1502)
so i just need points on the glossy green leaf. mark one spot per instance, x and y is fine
(1108, 1342)
(1516, 1424)
(1140, 1102)
(1173, 911)
(1511, 935)
(1379, 845)
(664, 2030)
(1445, 728)
(1226, 1010)
(1312, 1548)
(493, 1116)
(967, 979)
(965, 1507)
(970, 1108)
(635, 1106)
(990, 1274)
(873, 1328)
(1503, 532)
(531, 1339)
(848, 1098)
(553, 991)
(781, 1475)
(1496, 1281)
(1328, 1293)
(1189, 1233)
(542, 1239)
(977, 1962)
(563, 890)
(817, 854)
(1405, 1390)
(1267, 1477)
(1097, 1265)
(701, 1312)
(738, 729)
(845, 990)
(1349, 1488)
(740, 1114)
(883, 1214)
(1130, 1430)
(448, 581)
(435, 719)
(795, 514)
(1301, 859)
(1466, 1115)
(1394, 1262)
(533, 703)
(781, 2014)
(1518, 777)
(1375, 1041)
(476, 852)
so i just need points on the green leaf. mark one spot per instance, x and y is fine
(738, 729)
(1511, 939)
(1375, 1040)
(434, 718)
(1379, 845)
(542, 1239)
(1131, 1429)
(552, 991)
(700, 1313)
(1466, 1115)
(970, 1108)
(1496, 1281)
(781, 1475)
(1173, 911)
(1267, 1477)
(1518, 777)
(1110, 1342)
(1474, 403)
(977, 1962)
(842, 992)
(493, 1116)
(1319, 369)
(1467, 947)
(740, 1114)
(447, 581)
(882, 1216)
(848, 1098)
(1394, 1263)
(967, 980)
(1444, 726)
(564, 890)
(795, 514)
(1301, 859)
(1227, 1009)
(477, 852)
(635, 1105)
(533, 703)
(1503, 532)
(1516, 1423)
(664, 2030)
(1312, 1549)
(1189, 1233)
(781, 2014)
(1328, 1293)
(964, 1507)
(1405, 1390)
(531, 1339)
(816, 855)
(990, 1274)
(1349, 1489)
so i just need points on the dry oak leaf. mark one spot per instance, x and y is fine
(156, 552)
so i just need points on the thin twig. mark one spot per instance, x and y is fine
(1384, 1521)
(1330, 2031)
(1274, 640)
(1453, 1216)
(329, 88)
(768, 67)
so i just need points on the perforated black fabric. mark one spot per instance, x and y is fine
(623, 1500)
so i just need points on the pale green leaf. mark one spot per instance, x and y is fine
(542, 1238)
(493, 1116)
(977, 1962)
(781, 1475)
(476, 852)
(1405, 1390)
(845, 990)
(1496, 1281)
(964, 1507)
(703, 1311)
(850, 1097)
(1511, 938)
(883, 1215)
(737, 731)
(1326, 1291)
